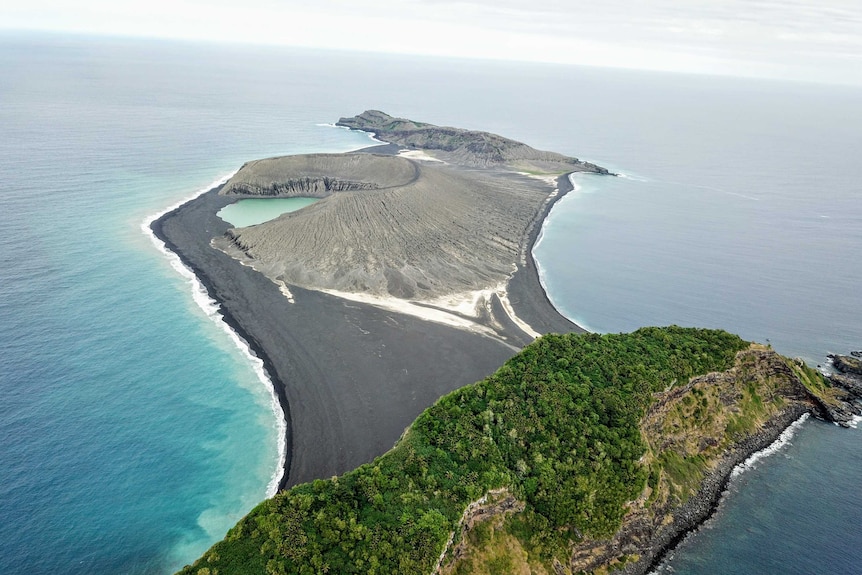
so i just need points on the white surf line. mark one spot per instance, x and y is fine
(541, 272)
(212, 309)
(774, 447)
(739, 469)
(371, 135)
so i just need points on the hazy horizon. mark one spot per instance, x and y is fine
(764, 39)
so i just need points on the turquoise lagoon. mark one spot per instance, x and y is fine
(253, 211)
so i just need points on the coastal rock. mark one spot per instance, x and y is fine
(851, 383)
(847, 364)
(847, 387)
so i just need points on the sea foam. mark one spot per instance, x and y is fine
(783, 439)
(371, 135)
(212, 309)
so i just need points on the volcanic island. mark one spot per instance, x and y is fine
(442, 416)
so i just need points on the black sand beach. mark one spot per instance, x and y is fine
(350, 377)
(526, 293)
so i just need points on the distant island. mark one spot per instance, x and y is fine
(377, 308)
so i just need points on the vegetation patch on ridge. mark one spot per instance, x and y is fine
(558, 426)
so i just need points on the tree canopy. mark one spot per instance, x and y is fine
(557, 424)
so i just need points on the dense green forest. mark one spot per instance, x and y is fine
(558, 425)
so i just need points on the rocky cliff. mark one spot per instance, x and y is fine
(318, 175)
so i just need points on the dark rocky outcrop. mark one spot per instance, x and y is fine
(847, 364)
(465, 147)
(308, 187)
(852, 384)
(848, 387)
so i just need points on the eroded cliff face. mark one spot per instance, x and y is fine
(848, 364)
(696, 434)
(319, 175)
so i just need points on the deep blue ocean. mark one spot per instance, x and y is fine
(134, 430)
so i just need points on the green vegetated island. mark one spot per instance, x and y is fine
(582, 453)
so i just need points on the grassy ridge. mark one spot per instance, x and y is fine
(558, 425)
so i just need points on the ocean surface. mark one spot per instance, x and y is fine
(136, 430)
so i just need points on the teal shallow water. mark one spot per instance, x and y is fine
(137, 431)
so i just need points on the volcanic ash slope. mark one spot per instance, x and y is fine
(386, 225)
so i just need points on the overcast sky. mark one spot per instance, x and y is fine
(814, 40)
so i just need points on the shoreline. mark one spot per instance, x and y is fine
(545, 317)
(443, 358)
(212, 308)
(541, 235)
(252, 349)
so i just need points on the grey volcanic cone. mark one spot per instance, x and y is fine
(386, 225)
